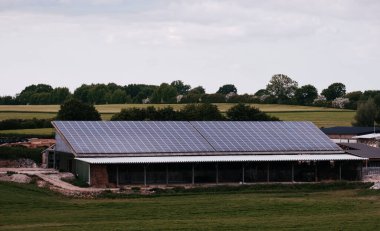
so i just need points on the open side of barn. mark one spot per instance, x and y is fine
(109, 154)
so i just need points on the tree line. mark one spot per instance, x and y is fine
(77, 110)
(281, 89)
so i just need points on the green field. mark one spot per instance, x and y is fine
(38, 131)
(322, 117)
(25, 207)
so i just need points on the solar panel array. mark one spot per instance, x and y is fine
(132, 137)
(96, 137)
(254, 136)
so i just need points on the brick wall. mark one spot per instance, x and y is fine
(99, 176)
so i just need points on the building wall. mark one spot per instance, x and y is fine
(99, 176)
(82, 171)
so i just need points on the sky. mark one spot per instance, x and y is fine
(207, 43)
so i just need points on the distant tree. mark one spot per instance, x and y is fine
(59, 95)
(74, 109)
(7, 100)
(334, 91)
(261, 92)
(242, 112)
(306, 95)
(282, 87)
(164, 94)
(198, 90)
(118, 96)
(354, 98)
(202, 111)
(34, 94)
(181, 88)
(227, 88)
(367, 113)
(213, 98)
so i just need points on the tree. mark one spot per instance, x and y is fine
(74, 109)
(118, 96)
(59, 95)
(306, 95)
(33, 93)
(181, 88)
(242, 112)
(164, 94)
(227, 88)
(197, 90)
(202, 111)
(282, 87)
(367, 113)
(261, 92)
(334, 91)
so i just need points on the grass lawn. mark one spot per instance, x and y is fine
(25, 207)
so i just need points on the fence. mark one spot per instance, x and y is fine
(370, 171)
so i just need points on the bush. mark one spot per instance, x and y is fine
(12, 124)
(14, 153)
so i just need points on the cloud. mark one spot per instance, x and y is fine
(209, 42)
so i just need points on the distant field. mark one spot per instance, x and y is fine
(25, 207)
(323, 117)
(38, 131)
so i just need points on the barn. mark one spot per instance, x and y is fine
(115, 153)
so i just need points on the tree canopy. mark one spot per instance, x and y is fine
(227, 88)
(334, 91)
(306, 95)
(282, 87)
(242, 112)
(367, 113)
(74, 109)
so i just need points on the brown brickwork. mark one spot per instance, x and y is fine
(99, 176)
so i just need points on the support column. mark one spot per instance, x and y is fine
(145, 175)
(316, 171)
(217, 173)
(243, 174)
(292, 172)
(340, 170)
(268, 172)
(192, 174)
(117, 175)
(167, 174)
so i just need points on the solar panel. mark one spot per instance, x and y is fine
(132, 136)
(254, 136)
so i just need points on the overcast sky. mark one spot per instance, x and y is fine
(208, 43)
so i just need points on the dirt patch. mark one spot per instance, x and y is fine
(19, 163)
(18, 178)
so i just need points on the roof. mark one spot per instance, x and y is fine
(240, 158)
(126, 138)
(368, 136)
(362, 150)
(349, 130)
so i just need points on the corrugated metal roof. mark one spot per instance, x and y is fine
(349, 130)
(368, 136)
(240, 158)
(361, 150)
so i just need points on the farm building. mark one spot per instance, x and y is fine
(348, 134)
(108, 154)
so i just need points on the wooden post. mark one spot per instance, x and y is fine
(192, 175)
(217, 173)
(340, 170)
(292, 172)
(268, 172)
(167, 174)
(243, 173)
(117, 175)
(144, 175)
